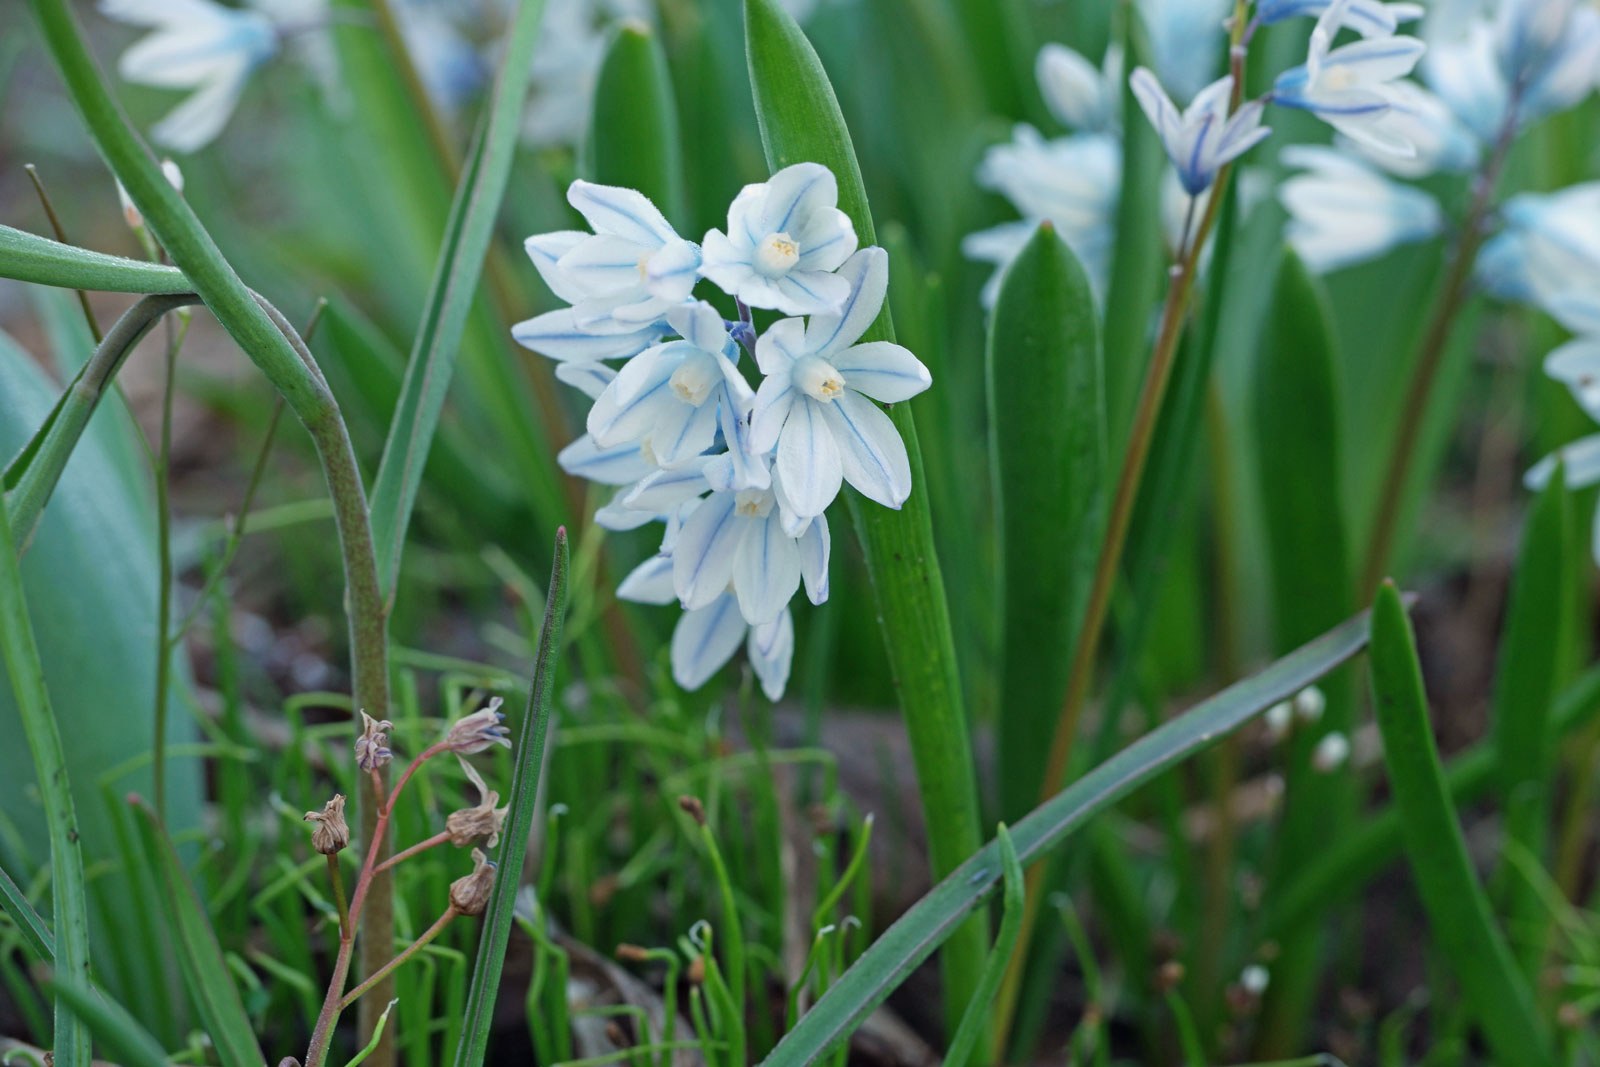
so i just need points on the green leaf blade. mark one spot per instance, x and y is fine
(633, 129)
(934, 918)
(1456, 905)
(1047, 435)
(498, 918)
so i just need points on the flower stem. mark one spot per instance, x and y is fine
(421, 846)
(1430, 355)
(387, 969)
(1140, 436)
(337, 878)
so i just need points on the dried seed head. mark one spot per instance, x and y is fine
(330, 835)
(695, 809)
(469, 824)
(372, 746)
(632, 953)
(469, 894)
(697, 970)
(478, 731)
(1169, 975)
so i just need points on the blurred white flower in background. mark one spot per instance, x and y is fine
(1342, 211)
(196, 45)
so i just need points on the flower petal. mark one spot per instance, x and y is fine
(650, 582)
(624, 213)
(808, 458)
(766, 570)
(623, 465)
(868, 274)
(771, 651)
(556, 334)
(774, 402)
(870, 450)
(883, 370)
(793, 193)
(702, 559)
(815, 547)
(705, 639)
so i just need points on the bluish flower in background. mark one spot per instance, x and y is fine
(1442, 142)
(1576, 365)
(1073, 182)
(1080, 95)
(815, 404)
(1342, 212)
(786, 237)
(1369, 18)
(1188, 42)
(452, 69)
(1547, 249)
(1351, 87)
(197, 45)
(1204, 137)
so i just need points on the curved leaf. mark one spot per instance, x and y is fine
(633, 131)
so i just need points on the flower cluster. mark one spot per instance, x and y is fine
(741, 477)
(1073, 181)
(1484, 78)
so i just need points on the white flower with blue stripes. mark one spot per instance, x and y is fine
(815, 405)
(1369, 18)
(1203, 138)
(1342, 212)
(786, 237)
(1350, 87)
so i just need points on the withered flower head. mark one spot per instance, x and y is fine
(330, 834)
(470, 894)
(469, 824)
(372, 745)
(478, 731)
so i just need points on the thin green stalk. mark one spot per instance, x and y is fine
(994, 969)
(1430, 355)
(289, 367)
(27, 257)
(1140, 436)
(800, 120)
(410, 950)
(163, 474)
(21, 657)
(61, 235)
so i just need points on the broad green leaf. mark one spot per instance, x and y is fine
(1462, 926)
(633, 130)
(996, 34)
(800, 121)
(26, 257)
(1047, 440)
(1538, 621)
(19, 652)
(498, 918)
(432, 362)
(934, 918)
(95, 646)
(1300, 460)
(205, 971)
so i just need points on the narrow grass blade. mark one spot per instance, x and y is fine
(800, 121)
(27, 257)
(35, 931)
(1047, 439)
(20, 654)
(1457, 908)
(633, 131)
(377, 1036)
(1005, 943)
(205, 971)
(937, 915)
(115, 1029)
(1300, 463)
(498, 919)
(1537, 627)
(455, 282)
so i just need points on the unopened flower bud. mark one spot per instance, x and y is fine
(1310, 703)
(632, 953)
(478, 731)
(469, 824)
(469, 894)
(330, 835)
(1278, 719)
(1330, 753)
(1254, 979)
(694, 808)
(130, 213)
(372, 744)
